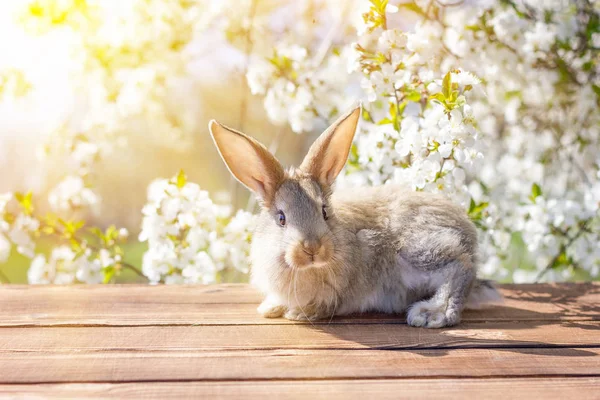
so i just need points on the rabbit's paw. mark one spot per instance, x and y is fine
(271, 309)
(303, 314)
(430, 314)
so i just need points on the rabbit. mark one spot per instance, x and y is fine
(318, 253)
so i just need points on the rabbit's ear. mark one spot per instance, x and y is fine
(328, 154)
(248, 160)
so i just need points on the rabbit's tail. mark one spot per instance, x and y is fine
(483, 292)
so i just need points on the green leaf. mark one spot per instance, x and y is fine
(393, 110)
(379, 5)
(75, 245)
(413, 96)
(173, 238)
(109, 273)
(354, 152)
(48, 230)
(51, 220)
(25, 201)
(476, 210)
(401, 108)
(71, 226)
(413, 7)
(561, 261)
(9, 218)
(536, 191)
(181, 179)
(472, 206)
(447, 85)
(480, 207)
(366, 115)
(439, 97)
(111, 233)
(97, 232)
(512, 94)
(334, 111)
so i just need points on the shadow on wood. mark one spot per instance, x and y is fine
(496, 335)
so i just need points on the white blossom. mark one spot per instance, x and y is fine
(60, 268)
(21, 233)
(189, 238)
(5, 247)
(525, 117)
(71, 193)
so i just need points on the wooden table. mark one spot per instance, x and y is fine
(183, 341)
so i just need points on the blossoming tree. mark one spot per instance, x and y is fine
(493, 103)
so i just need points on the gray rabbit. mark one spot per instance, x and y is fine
(317, 253)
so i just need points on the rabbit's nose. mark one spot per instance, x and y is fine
(311, 246)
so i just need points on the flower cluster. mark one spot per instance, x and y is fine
(5, 244)
(420, 133)
(190, 238)
(90, 256)
(121, 68)
(491, 104)
(562, 232)
(125, 62)
(541, 123)
(297, 88)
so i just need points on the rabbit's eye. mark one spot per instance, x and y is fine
(324, 213)
(281, 218)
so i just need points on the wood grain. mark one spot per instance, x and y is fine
(236, 305)
(136, 366)
(305, 336)
(522, 388)
(208, 341)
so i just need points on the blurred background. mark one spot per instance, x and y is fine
(140, 81)
(203, 79)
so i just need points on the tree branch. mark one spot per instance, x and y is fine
(233, 184)
(134, 269)
(562, 249)
(122, 263)
(3, 277)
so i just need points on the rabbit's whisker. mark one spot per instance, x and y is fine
(335, 297)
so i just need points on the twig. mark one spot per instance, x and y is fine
(426, 16)
(562, 249)
(328, 40)
(456, 4)
(4, 277)
(247, 51)
(134, 269)
(397, 107)
(122, 263)
(233, 185)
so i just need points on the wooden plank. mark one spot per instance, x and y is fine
(120, 305)
(527, 388)
(129, 366)
(300, 336)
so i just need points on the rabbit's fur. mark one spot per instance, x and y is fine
(385, 248)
